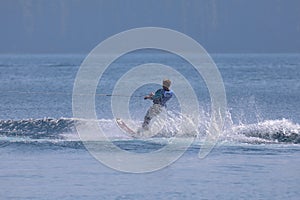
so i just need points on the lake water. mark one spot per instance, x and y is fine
(257, 156)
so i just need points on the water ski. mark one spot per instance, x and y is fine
(125, 128)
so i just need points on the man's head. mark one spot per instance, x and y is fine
(166, 83)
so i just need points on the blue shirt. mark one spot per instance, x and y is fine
(161, 96)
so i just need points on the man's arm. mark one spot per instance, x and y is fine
(149, 96)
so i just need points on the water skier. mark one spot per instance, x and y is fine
(159, 98)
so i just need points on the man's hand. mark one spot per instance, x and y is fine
(149, 96)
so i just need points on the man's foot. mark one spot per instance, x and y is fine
(145, 128)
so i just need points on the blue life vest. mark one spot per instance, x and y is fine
(161, 96)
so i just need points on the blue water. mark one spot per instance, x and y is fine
(256, 157)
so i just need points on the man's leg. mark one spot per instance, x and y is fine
(147, 119)
(154, 110)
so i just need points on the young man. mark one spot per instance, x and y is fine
(159, 99)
